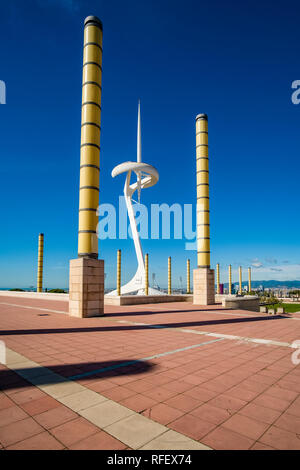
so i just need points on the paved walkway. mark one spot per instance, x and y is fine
(167, 376)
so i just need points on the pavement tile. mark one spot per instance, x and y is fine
(225, 439)
(159, 394)
(82, 400)
(99, 441)
(135, 430)
(118, 393)
(281, 439)
(284, 394)
(201, 394)
(59, 390)
(139, 386)
(268, 401)
(260, 413)
(40, 405)
(74, 431)
(178, 386)
(289, 385)
(163, 413)
(11, 415)
(294, 409)
(171, 440)
(228, 403)
(54, 417)
(42, 441)
(18, 431)
(100, 385)
(138, 402)
(5, 402)
(27, 396)
(211, 413)
(242, 393)
(192, 426)
(246, 426)
(106, 413)
(289, 423)
(260, 446)
(183, 402)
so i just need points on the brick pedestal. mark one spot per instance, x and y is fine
(86, 287)
(204, 286)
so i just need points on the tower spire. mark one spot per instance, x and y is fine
(139, 140)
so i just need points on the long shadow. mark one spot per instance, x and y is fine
(138, 327)
(17, 378)
(156, 312)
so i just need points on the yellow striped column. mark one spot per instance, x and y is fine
(146, 274)
(188, 277)
(203, 226)
(249, 279)
(40, 263)
(90, 138)
(240, 280)
(218, 278)
(204, 283)
(230, 279)
(169, 276)
(86, 280)
(119, 272)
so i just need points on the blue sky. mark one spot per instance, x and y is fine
(234, 61)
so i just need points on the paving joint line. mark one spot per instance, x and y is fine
(199, 332)
(144, 359)
(60, 381)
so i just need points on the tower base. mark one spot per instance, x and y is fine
(86, 288)
(204, 286)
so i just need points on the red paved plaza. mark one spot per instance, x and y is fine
(223, 378)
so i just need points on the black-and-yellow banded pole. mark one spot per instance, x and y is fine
(40, 263)
(119, 272)
(230, 279)
(203, 224)
(240, 280)
(146, 274)
(218, 278)
(249, 279)
(90, 138)
(188, 277)
(169, 276)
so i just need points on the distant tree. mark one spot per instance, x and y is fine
(295, 293)
(17, 290)
(57, 291)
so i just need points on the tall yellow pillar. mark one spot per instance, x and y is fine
(218, 278)
(249, 279)
(169, 276)
(188, 277)
(146, 274)
(119, 272)
(204, 284)
(230, 280)
(40, 263)
(90, 138)
(86, 285)
(240, 280)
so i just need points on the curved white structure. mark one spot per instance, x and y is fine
(147, 176)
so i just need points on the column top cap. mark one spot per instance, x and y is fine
(93, 20)
(201, 116)
(41, 234)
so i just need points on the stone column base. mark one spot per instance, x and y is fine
(86, 287)
(204, 286)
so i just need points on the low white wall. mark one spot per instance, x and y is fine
(34, 295)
